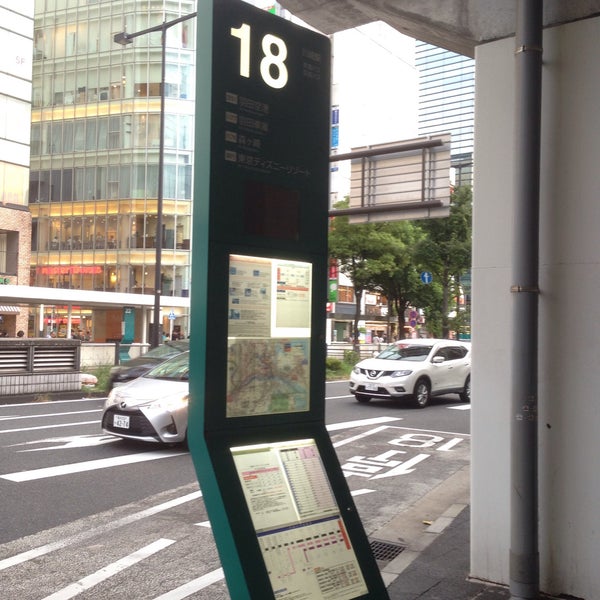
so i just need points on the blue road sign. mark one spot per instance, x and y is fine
(426, 277)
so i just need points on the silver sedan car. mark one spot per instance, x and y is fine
(154, 407)
(415, 369)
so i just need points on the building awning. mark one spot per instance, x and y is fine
(9, 310)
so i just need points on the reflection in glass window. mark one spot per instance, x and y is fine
(36, 139)
(114, 132)
(91, 142)
(184, 187)
(170, 181)
(67, 185)
(56, 138)
(140, 131)
(55, 187)
(68, 136)
(79, 145)
(102, 133)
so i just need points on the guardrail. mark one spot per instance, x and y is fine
(339, 349)
(39, 365)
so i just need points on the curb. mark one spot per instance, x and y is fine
(420, 524)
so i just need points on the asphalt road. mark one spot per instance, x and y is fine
(87, 515)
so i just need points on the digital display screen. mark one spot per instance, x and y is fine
(271, 211)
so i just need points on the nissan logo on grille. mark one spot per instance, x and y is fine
(373, 374)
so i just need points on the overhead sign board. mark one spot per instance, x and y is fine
(403, 180)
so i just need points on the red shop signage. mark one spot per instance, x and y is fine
(70, 270)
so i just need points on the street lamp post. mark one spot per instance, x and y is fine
(125, 38)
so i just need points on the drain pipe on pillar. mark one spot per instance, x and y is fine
(524, 550)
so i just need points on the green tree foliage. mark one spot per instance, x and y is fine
(445, 251)
(389, 257)
(401, 284)
(363, 251)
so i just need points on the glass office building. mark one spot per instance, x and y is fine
(447, 103)
(95, 140)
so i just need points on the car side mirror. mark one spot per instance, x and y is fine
(438, 360)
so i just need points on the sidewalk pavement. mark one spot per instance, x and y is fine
(435, 535)
(441, 570)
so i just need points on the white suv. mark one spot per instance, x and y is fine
(415, 369)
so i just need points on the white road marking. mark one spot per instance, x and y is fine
(404, 468)
(53, 402)
(461, 407)
(63, 414)
(76, 441)
(204, 524)
(17, 559)
(69, 442)
(431, 431)
(361, 423)
(195, 585)
(360, 436)
(449, 445)
(112, 569)
(190, 587)
(88, 465)
(49, 426)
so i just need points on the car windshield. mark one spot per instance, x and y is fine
(167, 349)
(414, 352)
(176, 369)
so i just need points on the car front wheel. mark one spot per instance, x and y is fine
(465, 395)
(422, 393)
(362, 398)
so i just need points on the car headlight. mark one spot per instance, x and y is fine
(112, 397)
(404, 373)
(356, 371)
(171, 403)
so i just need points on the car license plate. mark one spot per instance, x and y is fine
(371, 387)
(121, 421)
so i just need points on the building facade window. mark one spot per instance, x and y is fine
(446, 103)
(346, 294)
(9, 252)
(95, 152)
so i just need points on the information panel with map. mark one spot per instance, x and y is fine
(302, 537)
(268, 354)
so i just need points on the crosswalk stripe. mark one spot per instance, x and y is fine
(17, 559)
(106, 572)
(195, 585)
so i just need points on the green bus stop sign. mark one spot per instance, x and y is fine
(266, 465)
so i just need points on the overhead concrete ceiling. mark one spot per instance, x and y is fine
(457, 25)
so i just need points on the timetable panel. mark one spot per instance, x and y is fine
(302, 536)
